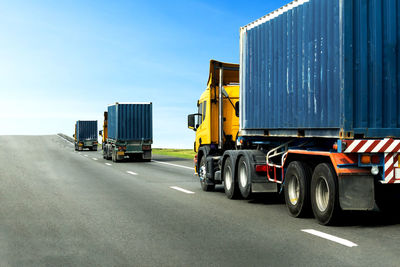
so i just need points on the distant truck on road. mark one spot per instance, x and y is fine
(86, 135)
(313, 110)
(128, 131)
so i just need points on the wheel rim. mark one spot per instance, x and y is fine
(228, 178)
(202, 173)
(322, 194)
(294, 189)
(243, 174)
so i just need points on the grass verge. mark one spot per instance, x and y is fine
(179, 153)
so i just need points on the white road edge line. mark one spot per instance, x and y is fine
(65, 139)
(133, 173)
(175, 165)
(181, 189)
(94, 158)
(333, 238)
(86, 155)
(108, 164)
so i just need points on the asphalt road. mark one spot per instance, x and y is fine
(59, 207)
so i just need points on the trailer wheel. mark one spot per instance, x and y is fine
(324, 194)
(203, 175)
(114, 156)
(230, 186)
(297, 189)
(105, 152)
(244, 180)
(109, 153)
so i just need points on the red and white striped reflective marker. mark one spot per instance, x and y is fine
(392, 171)
(389, 146)
(372, 146)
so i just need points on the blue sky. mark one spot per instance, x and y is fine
(61, 61)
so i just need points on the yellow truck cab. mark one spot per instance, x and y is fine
(207, 122)
(104, 133)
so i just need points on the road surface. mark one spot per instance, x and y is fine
(59, 207)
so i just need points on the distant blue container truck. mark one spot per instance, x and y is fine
(86, 135)
(129, 129)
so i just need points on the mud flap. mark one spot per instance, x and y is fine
(356, 192)
(147, 154)
(264, 187)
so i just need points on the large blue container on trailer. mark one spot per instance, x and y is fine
(324, 68)
(130, 122)
(86, 130)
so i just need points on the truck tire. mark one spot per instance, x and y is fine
(244, 177)
(109, 154)
(297, 189)
(105, 152)
(324, 194)
(230, 185)
(114, 156)
(205, 185)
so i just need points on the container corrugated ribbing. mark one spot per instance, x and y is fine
(130, 122)
(86, 130)
(328, 68)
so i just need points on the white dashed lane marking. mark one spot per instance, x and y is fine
(132, 173)
(181, 189)
(108, 164)
(333, 238)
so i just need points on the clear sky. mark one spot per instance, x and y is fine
(66, 60)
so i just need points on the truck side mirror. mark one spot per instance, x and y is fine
(101, 132)
(191, 122)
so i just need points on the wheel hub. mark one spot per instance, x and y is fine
(202, 172)
(228, 178)
(322, 194)
(294, 190)
(243, 174)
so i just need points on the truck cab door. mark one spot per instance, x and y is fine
(201, 125)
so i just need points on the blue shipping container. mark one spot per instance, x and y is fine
(130, 122)
(86, 130)
(326, 68)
